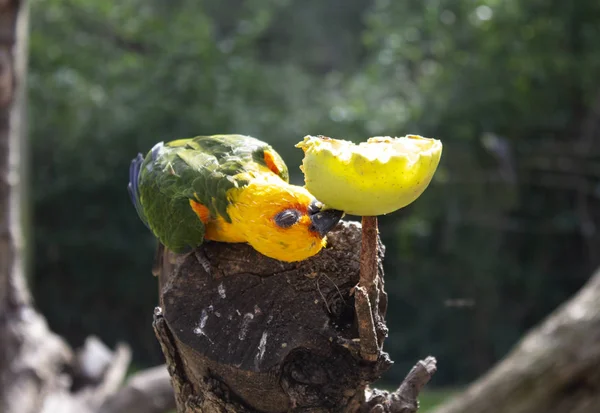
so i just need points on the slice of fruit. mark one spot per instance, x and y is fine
(372, 178)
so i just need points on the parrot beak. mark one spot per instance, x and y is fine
(324, 221)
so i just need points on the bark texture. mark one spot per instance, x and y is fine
(555, 368)
(244, 333)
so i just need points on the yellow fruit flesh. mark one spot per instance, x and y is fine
(372, 178)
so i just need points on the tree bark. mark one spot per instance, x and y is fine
(555, 368)
(31, 357)
(244, 333)
(39, 372)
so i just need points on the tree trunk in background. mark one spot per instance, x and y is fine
(554, 369)
(244, 333)
(30, 356)
(39, 373)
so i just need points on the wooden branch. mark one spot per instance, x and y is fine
(369, 349)
(112, 378)
(253, 334)
(367, 293)
(91, 363)
(93, 376)
(555, 368)
(403, 400)
(13, 292)
(31, 357)
(148, 391)
(368, 253)
(39, 373)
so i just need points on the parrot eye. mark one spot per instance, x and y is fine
(287, 218)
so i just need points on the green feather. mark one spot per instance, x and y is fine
(203, 168)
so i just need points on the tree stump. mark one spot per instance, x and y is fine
(245, 333)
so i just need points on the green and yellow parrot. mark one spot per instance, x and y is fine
(227, 188)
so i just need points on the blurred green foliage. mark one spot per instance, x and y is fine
(506, 232)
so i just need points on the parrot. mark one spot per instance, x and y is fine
(227, 188)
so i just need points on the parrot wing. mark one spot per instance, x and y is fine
(182, 180)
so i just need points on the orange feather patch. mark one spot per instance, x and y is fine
(200, 210)
(270, 161)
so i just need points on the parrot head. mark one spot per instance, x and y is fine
(283, 221)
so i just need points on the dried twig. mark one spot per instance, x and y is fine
(403, 400)
(367, 293)
(369, 350)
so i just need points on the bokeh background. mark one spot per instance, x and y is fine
(507, 230)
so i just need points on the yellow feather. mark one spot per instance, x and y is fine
(252, 211)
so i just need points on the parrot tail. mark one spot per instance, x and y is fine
(133, 189)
